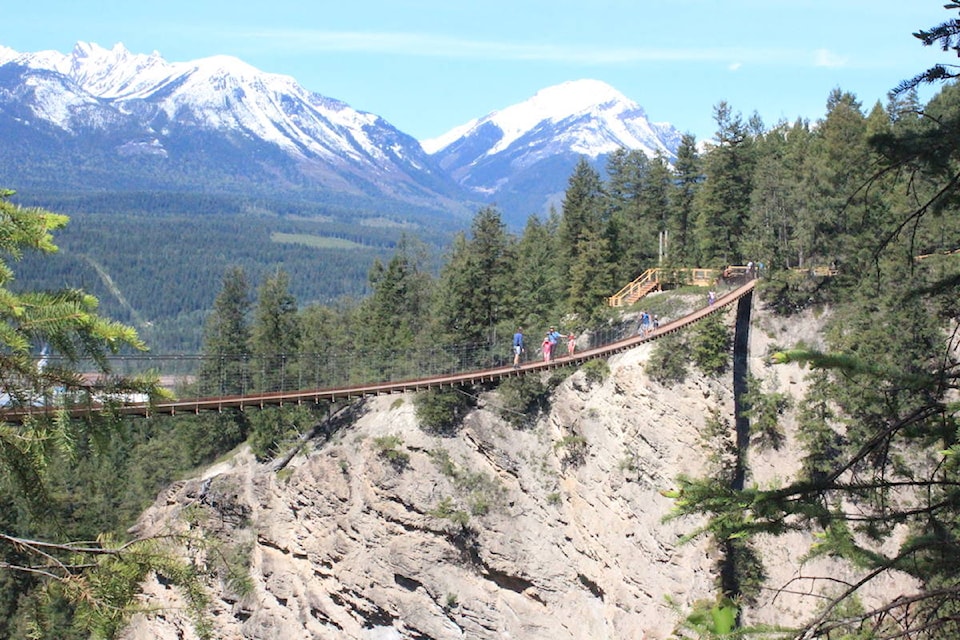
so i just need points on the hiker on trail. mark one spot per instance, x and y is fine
(656, 322)
(547, 347)
(517, 347)
(711, 298)
(571, 344)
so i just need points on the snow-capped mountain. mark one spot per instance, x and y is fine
(529, 149)
(214, 122)
(590, 116)
(108, 120)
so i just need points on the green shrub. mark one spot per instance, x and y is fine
(522, 399)
(710, 345)
(445, 509)
(572, 450)
(273, 428)
(764, 413)
(441, 411)
(595, 370)
(668, 362)
(388, 448)
(789, 292)
(557, 376)
(441, 458)
(481, 492)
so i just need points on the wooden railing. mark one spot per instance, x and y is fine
(653, 279)
(646, 282)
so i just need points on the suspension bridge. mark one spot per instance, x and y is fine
(301, 395)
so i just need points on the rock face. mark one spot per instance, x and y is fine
(551, 531)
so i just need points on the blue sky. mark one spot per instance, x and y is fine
(430, 65)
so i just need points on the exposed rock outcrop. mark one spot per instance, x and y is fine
(552, 532)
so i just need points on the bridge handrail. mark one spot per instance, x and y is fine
(262, 399)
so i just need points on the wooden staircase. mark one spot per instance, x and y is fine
(646, 282)
(653, 280)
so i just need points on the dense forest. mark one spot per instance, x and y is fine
(870, 191)
(155, 261)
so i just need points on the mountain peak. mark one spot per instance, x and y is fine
(92, 50)
(7, 54)
(532, 147)
(576, 95)
(554, 103)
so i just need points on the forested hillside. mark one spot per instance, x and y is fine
(155, 261)
(870, 191)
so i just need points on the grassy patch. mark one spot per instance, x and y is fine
(316, 242)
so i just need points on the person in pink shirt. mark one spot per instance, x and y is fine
(571, 344)
(547, 347)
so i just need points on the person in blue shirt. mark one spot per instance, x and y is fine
(644, 327)
(517, 347)
(554, 336)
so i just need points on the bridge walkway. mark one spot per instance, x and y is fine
(297, 397)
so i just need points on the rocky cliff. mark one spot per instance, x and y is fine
(379, 530)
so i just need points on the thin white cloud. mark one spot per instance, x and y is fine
(826, 58)
(429, 45)
(735, 66)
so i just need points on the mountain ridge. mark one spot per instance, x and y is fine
(241, 128)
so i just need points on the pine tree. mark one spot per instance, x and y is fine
(537, 282)
(591, 276)
(655, 201)
(633, 239)
(680, 223)
(393, 318)
(476, 290)
(723, 200)
(275, 335)
(226, 342)
(88, 585)
(329, 343)
(582, 213)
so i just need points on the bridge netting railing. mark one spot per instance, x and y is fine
(191, 376)
(214, 375)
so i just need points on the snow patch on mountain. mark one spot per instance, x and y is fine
(218, 110)
(218, 92)
(591, 117)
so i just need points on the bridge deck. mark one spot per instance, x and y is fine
(279, 398)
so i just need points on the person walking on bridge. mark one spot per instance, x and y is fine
(517, 347)
(554, 336)
(547, 347)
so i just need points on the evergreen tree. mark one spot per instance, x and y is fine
(655, 201)
(591, 276)
(587, 233)
(537, 283)
(393, 317)
(680, 222)
(843, 165)
(329, 343)
(226, 339)
(632, 239)
(723, 200)
(772, 205)
(275, 335)
(582, 213)
(477, 288)
(80, 588)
